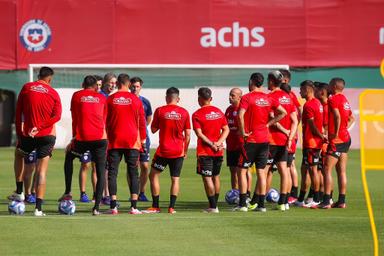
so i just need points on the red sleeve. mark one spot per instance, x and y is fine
(74, 116)
(19, 112)
(155, 121)
(274, 103)
(142, 121)
(295, 101)
(187, 121)
(195, 121)
(224, 121)
(308, 113)
(105, 112)
(332, 103)
(244, 102)
(56, 113)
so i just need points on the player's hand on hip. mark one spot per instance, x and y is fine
(32, 133)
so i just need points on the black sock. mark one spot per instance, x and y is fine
(39, 202)
(255, 198)
(302, 195)
(282, 198)
(286, 198)
(248, 193)
(311, 193)
(212, 201)
(172, 201)
(341, 198)
(217, 198)
(82, 193)
(19, 187)
(155, 201)
(294, 192)
(331, 194)
(134, 204)
(113, 204)
(260, 204)
(94, 194)
(243, 199)
(326, 199)
(316, 196)
(321, 196)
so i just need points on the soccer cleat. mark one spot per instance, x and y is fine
(142, 197)
(309, 200)
(252, 207)
(135, 211)
(339, 205)
(312, 205)
(65, 197)
(152, 210)
(171, 210)
(95, 212)
(106, 200)
(286, 207)
(331, 201)
(16, 197)
(84, 198)
(240, 209)
(280, 207)
(38, 213)
(31, 199)
(292, 200)
(324, 206)
(299, 203)
(211, 210)
(260, 209)
(113, 211)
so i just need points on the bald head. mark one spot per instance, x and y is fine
(235, 96)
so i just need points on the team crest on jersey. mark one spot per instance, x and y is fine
(262, 102)
(172, 115)
(39, 88)
(35, 35)
(346, 106)
(89, 99)
(122, 101)
(213, 116)
(285, 100)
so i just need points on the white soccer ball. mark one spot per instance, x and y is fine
(273, 196)
(16, 207)
(67, 207)
(232, 196)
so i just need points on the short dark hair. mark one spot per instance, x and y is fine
(89, 81)
(336, 80)
(276, 77)
(98, 78)
(45, 72)
(321, 85)
(172, 91)
(285, 73)
(122, 79)
(285, 87)
(137, 79)
(307, 83)
(205, 93)
(257, 79)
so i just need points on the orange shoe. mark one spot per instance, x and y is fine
(152, 210)
(171, 211)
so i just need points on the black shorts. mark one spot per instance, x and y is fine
(175, 164)
(277, 154)
(291, 157)
(311, 156)
(335, 150)
(233, 158)
(43, 145)
(256, 153)
(209, 165)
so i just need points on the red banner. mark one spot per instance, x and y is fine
(297, 32)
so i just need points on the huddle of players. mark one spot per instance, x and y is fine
(266, 130)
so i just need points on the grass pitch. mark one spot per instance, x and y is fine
(189, 232)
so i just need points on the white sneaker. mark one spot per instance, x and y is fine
(135, 211)
(331, 201)
(280, 207)
(311, 204)
(308, 200)
(260, 209)
(286, 207)
(240, 209)
(38, 213)
(299, 204)
(211, 210)
(16, 197)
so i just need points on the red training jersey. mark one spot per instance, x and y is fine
(257, 106)
(126, 123)
(38, 105)
(234, 140)
(276, 137)
(89, 111)
(340, 102)
(312, 110)
(210, 120)
(325, 114)
(171, 121)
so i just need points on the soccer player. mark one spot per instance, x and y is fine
(339, 120)
(126, 130)
(136, 86)
(174, 126)
(38, 108)
(281, 136)
(211, 129)
(313, 137)
(255, 108)
(89, 111)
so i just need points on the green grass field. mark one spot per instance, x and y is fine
(189, 232)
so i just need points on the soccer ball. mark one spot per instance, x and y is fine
(273, 196)
(16, 207)
(232, 196)
(67, 207)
